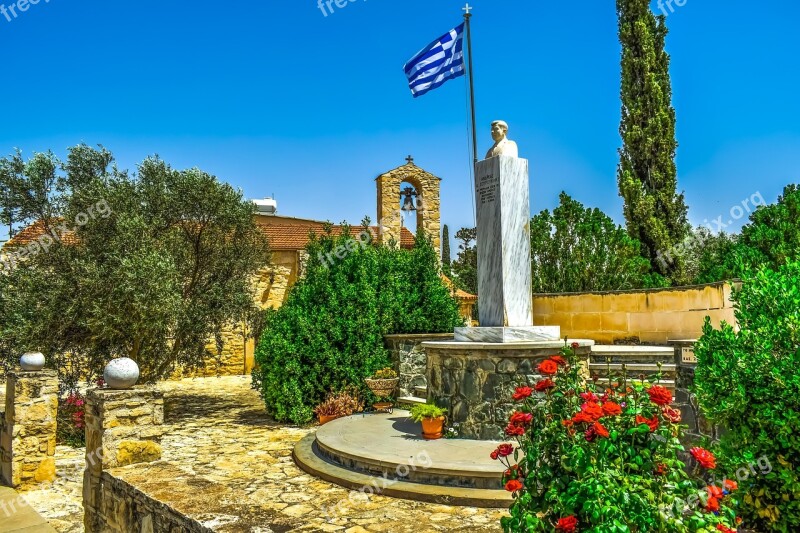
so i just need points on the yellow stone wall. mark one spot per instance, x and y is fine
(271, 287)
(428, 213)
(651, 316)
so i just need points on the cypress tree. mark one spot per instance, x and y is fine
(446, 249)
(656, 214)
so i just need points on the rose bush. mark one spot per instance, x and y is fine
(594, 459)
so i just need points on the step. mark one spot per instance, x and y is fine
(633, 369)
(634, 354)
(411, 400)
(667, 383)
(421, 391)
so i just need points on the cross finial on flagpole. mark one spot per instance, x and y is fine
(467, 9)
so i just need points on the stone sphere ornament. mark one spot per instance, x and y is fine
(32, 361)
(121, 373)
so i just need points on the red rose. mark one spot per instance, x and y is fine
(567, 524)
(514, 470)
(575, 345)
(651, 422)
(612, 409)
(712, 505)
(560, 361)
(582, 418)
(521, 393)
(704, 457)
(504, 450)
(513, 485)
(659, 395)
(515, 431)
(714, 492)
(520, 419)
(548, 367)
(494, 455)
(589, 396)
(590, 435)
(545, 385)
(600, 429)
(661, 469)
(592, 409)
(730, 486)
(725, 529)
(673, 415)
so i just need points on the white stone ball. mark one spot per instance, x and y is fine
(121, 373)
(32, 361)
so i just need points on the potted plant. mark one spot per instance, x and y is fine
(382, 384)
(432, 419)
(339, 404)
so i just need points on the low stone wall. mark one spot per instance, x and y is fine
(475, 381)
(127, 510)
(28, 436)
(123, 427)
(648, 316)
(409, 359)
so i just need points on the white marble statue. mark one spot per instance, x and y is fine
(502, 144)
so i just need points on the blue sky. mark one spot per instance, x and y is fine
(276, 98)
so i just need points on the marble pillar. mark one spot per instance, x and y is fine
(504, 244)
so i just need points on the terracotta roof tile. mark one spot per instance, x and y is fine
(296, 237)
(36, 230)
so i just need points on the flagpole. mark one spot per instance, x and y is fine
(467, 17)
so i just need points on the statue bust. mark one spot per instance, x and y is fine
(502, 145)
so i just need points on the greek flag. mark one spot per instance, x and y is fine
(438, 62)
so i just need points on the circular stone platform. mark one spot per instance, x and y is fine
(386, 454)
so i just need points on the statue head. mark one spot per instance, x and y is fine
(499, 130)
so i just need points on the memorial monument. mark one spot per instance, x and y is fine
(475, 375)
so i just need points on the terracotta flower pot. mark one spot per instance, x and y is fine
(382, 406)
(432, 428)
(324, 419)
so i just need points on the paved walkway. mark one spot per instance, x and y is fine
(18, 517)
(229, 466)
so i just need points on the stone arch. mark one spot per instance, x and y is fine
(428, 187)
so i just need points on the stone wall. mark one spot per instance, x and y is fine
(127, 510)
(409, 359)
(271, 285)
(475, 381)
(646, 316)
(28, 436)
(122, 428)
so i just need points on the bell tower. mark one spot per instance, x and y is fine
(418, 191)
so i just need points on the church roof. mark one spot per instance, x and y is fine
(38, 229)
(296, 236)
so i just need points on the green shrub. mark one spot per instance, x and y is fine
(426, 410)
(596, 459)
(329, 333)
(748, 382)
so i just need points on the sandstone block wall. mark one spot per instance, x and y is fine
(122, 428)
(647, 316)
(28, 436)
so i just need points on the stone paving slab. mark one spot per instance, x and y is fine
(230, 466)
(17, 516)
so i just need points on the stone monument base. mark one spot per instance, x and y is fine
(474, 381)
(509, 334)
